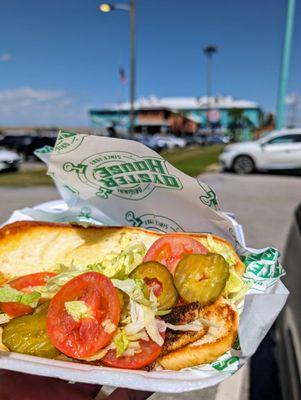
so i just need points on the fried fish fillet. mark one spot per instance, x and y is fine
(182, 314)
(218, 339)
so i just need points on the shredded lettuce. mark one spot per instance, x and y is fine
(151, 325)
(113, 265)
(142, 310)
(9, 294)
(143, 317)
(136, 318)
(136, 289)
(216, 247)
(195, 326)
(108, 326)
(77, 310)
(121, 342)
(119, 266)
(54, 284)
(134, 348)
(125, 240)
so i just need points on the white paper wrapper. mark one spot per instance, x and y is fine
(118, 182)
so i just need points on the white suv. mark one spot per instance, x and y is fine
(9, 160)
(277, 150)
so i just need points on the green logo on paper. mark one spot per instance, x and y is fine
(123, 174)
(209, 198)
(222, 365)
(44, 150)
(264, 265)
(153, 222)
(67, 142)
(85, 212)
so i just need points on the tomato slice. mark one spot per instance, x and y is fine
(150, 351)
(170, 248)
(25, 283)
(81, 339)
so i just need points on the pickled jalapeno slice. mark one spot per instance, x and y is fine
(160, 281)
(28, 335)
(201, 277)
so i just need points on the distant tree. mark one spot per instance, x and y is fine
(238, 122)
(268, 121)
(267, 124)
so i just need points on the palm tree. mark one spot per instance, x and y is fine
(238, 123)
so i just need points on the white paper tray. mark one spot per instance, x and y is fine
(158, 381)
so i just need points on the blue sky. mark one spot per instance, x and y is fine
(60, 57)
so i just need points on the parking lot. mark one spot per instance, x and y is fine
(262, 203)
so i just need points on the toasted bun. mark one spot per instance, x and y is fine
(29, 246)
(213, 344)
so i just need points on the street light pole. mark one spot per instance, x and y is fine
(132, 64)
(285, 62)
(131, 8)
(209, 75)
(209, 51)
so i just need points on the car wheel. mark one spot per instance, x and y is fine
(243, 165)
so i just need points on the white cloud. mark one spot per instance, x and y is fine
(5, 57)
(28, 106)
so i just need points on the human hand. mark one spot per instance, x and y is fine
(19, 386)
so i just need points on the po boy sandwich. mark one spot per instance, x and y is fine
(118, 296)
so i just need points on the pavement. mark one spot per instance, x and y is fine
(263, 204)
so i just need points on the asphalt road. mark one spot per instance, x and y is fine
(263, 204)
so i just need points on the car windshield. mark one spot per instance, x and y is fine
(277, 135)
(267, 136)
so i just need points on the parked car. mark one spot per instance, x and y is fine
(279, 150)
(9, 160)
(201, 139)
(217, 139)
(25, 145)
(17, 143)
(288, 328)
(209, 139)
(170, 141)
(150, 142)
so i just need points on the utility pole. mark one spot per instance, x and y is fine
(132, 64)
(286, 55)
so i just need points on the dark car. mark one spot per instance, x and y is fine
(288, 328)
(16, 142)
(217, 139)
(25, 145)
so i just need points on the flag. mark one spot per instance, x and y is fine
(122, 76)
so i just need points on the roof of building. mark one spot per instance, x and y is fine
(182, 103)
